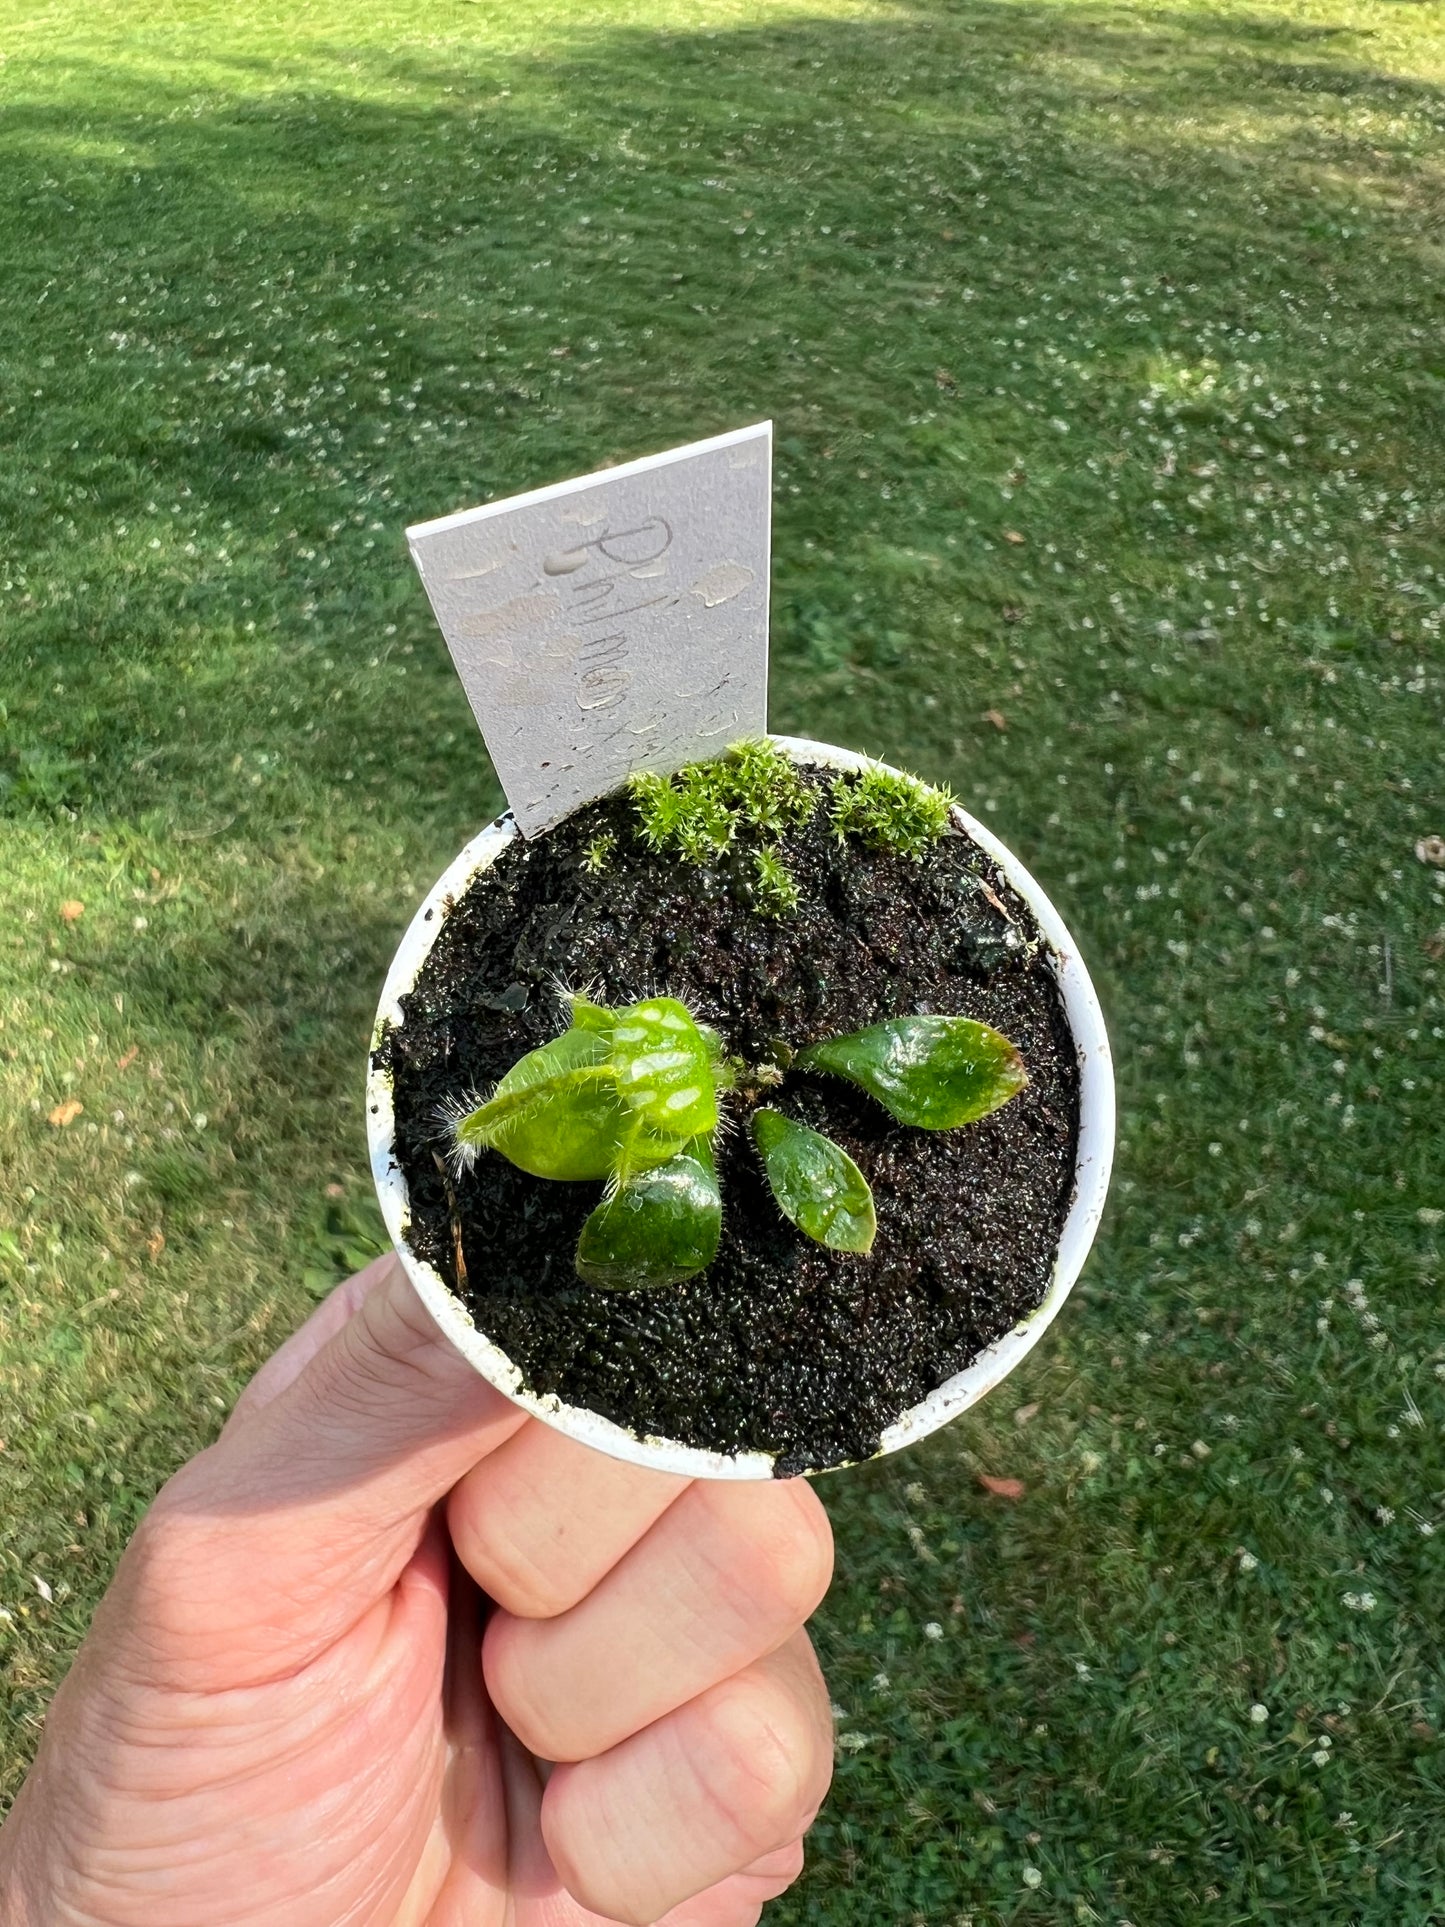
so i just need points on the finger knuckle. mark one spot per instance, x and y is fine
(758, 1765)
(783, 1554)
(781, 1867)
(809, 1560)
(514, 1672)
(521, 1581)
(604, 1890)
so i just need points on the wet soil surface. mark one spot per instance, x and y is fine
(781, 1346)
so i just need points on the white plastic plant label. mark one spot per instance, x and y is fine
(612, 623)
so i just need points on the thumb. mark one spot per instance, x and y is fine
(292, 1357)
(379, 1423)
(320, 1497)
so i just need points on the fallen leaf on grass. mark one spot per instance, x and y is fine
(996, 717)
(1002, 1488)
(1012, 535)
(156, 1243)
(66, 1113)
(124, 1063)
(1025, 1413)
(71, 909)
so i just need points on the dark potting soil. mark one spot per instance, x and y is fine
(781, 1345)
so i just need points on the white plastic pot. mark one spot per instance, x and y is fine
(955, 1395)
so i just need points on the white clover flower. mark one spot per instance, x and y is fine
(1248, 1562)
(933, 1630)
(1258, 1714)
(1032, 1877)
(1360, 1602)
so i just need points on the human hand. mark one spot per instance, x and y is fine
(285, 1711)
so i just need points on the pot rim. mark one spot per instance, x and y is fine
(956, 1394)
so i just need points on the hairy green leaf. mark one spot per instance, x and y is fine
(816, 1183)
(556, 1113)
(617, 1093)
(666, 1069)
(589, 1016)
(657, 1228)
(933, 1072)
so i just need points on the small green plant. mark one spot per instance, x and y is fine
(599, 853)
(775, 888)
(699, 811)
(634, 1096)
(890, 811)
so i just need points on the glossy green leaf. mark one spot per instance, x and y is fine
(658, 1228)
(556, 1113)
(933, 1072)
(816, 1183)
(666, 1069)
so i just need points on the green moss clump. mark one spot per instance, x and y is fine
(752, 791)
(698, 811)
(890, 812)
(775, 888)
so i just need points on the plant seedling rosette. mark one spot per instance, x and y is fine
(753, 1119)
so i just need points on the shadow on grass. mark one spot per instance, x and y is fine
(284, 315)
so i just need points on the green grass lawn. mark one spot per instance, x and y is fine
(1106, 347)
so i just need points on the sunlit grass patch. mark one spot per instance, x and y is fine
(1103, 348)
